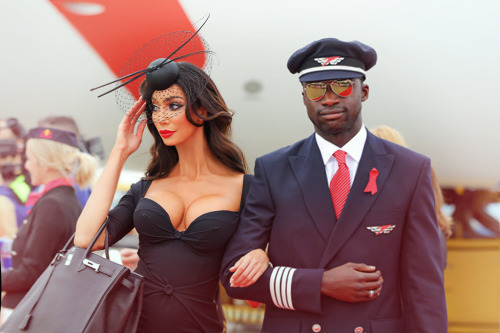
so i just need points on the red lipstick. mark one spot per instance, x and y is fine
(166, 133)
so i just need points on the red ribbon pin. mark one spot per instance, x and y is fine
(372, 182)
(253, 304)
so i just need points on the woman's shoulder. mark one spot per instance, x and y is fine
(60, 202)
(59, 193)
(140, 187)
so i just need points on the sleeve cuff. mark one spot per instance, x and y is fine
(280, 286)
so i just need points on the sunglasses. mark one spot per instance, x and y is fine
(316, 90)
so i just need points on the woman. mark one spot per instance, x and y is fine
(184, 210)
(52, 158)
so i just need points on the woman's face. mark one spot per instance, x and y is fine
(35, 169)
(169, 116)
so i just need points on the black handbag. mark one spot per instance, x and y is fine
(80, 292)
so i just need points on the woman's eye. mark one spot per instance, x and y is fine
(167, 108)
(174, 106)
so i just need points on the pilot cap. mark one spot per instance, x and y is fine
(54, 134)
(332, 59)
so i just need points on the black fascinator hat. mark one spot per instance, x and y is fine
(156, 65)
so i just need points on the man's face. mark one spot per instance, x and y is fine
(337, 119)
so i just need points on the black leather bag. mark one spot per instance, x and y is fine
(80, 292)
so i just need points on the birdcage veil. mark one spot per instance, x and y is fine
(156, 64)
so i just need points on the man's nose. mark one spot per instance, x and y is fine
(330, 98)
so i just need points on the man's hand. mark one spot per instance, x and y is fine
(352, 283)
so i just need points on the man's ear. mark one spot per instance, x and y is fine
(365, 91)
(303, 93)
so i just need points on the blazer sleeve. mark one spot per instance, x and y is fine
(422, 281)
(284, 287)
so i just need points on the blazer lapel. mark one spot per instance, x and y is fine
(359, 202)
(310, 173)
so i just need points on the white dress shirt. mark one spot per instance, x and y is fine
(353, 149)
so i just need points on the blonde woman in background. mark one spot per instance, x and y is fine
(444, 222)
(52, 160)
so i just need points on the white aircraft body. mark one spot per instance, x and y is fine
(435, 80)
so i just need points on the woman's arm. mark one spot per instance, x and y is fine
(97, 207)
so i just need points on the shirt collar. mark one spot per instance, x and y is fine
(353, 148)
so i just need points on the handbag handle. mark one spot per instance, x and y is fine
(96, 236)
(94, 240)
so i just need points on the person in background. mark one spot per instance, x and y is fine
(67, 123)
(8, 225)
(349, 219)
(445, 222)
(129, 257)
(13, 185)
(8, 229)
(52, 158)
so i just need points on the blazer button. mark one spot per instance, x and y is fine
(316, 328)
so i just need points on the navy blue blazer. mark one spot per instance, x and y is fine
(289, 206)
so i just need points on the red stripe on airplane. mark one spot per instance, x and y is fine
(123, 26)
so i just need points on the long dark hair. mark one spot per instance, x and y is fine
(216, 123)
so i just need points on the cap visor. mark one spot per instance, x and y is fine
(329, 75)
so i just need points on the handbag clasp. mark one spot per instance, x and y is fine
(91, 264)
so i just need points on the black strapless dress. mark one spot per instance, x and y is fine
(180, 268)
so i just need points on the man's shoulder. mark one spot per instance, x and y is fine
(284, 152)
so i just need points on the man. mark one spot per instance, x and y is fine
(368, 263)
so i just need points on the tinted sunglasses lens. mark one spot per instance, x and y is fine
(315, 91)
(342, 88)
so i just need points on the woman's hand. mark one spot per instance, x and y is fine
(126, 140)
(249, 268)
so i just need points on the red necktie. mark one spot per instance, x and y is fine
(340, 184)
